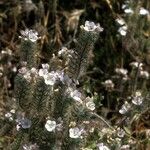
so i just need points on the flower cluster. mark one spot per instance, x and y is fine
(92, 27)
(9, 115)
(53, 76)
(30, 35)
(137, 65)
(64, 51)
(28, 74)
(123, 27)
(142, 73)
(128, 10)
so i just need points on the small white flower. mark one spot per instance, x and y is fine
(1, 74)
(23, 70)
(120, 132)
(45, 66)
(43, 72)
(143, 11)
(27, 76)
(101, 146)
(18, 127)
(123, 30)
(125, 108)
(9, 116)
(29, 35)
(14, 69)
(121, 71)
(136, 65)
(90, 104)
(75, 132)
(128, 11)
(34, 72)
(137, 99)
(30, 146)
(120, 21)
(50, 125)
(125, 147)
(12, 111)
(109, 84)
(144, 74)
(124, 6)
(92, 27)
(62, 51)
(50, 78)
(76, 95)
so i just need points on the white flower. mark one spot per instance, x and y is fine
(137, 99)
(143, 11)
(101, 146)
(27, 76)
(125, 108)
(33, 71)
(62, 51)
(29, 35)
(23, 70)
(50, 78)
(123, 30)
(120, 132)
(120, 21)
(30, 146)
(90, 104)
(128, 11)
(109, 84)
(43, 72)
(125, 147)
(121, 71)
(75, 132)
(137, 65)
(45, 66)
(9, 116)
(124, 6)
(50, 125)
(14, 69)
(144, 74)
(76, 95)
(12, 111)
(92, 27)
(18, 127)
